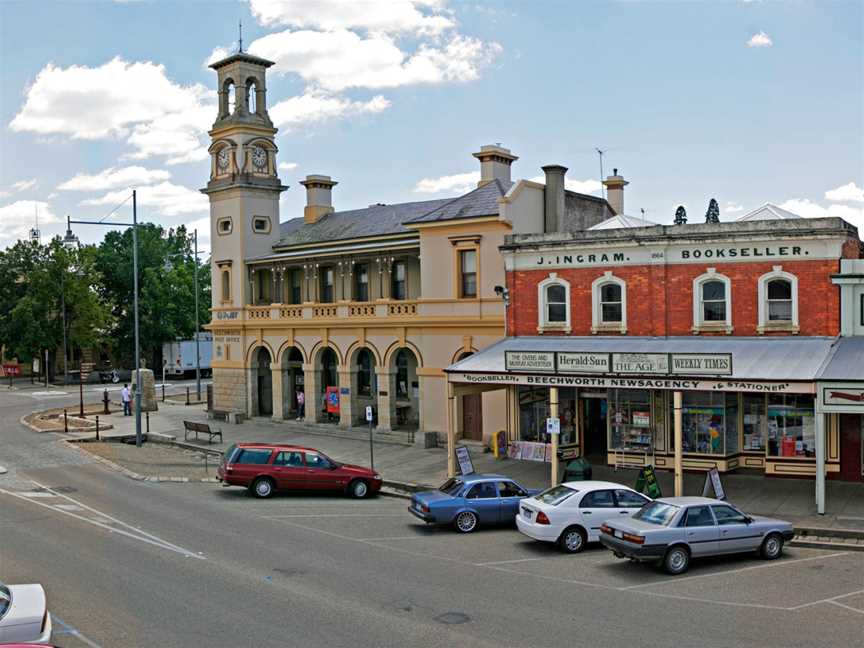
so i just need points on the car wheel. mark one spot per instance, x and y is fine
(466, 522)
(358, 489)
(677, 560)
(262, 487)
(572, 540)
(772, 546)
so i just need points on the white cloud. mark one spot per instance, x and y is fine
(342, 59)
(589, 186)
(458, 183)
(24, 185)
(288, 166)
(113, 178)
(17, 219)
(219, 53)
(733, 208)
(808, 209)
(166, 198)
(133, 101)
(315, 107)
(760, 40)
(384, 16)
(846, 193)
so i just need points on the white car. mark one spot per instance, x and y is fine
(571, 514)
(24, 614)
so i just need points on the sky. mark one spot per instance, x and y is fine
(743, 101)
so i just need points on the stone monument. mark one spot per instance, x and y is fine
(148, 390)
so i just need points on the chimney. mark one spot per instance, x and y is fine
(495, 164)
(553, 197)
(319, 200)
(615, 191)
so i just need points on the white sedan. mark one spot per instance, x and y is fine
(571, 514)
(24, 614)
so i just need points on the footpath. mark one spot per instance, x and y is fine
(409, 468)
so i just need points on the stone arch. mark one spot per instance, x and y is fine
(393, 348)
(250, 355)
(357, 345)
(285, 346)
(363, 375)
(461, 354)
(292, 360)
(403, 389)
(312, 357)
(255, 95)
(229, 97)
(325, 362)
(261, 380)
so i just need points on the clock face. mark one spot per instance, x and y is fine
(223, 160)
(259, 158)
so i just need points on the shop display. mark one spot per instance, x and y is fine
(791, 425)
(630, 420)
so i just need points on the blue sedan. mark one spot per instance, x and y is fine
(466, 502)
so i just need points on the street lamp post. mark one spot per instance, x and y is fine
(134, 226)
(70, 242)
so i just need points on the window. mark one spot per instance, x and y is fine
(609, 303)
(399, 283)
(629, 499)
(253, 457)
(598, 499)
(630, 419)
(294, 285)
(709, 422)
(327, 285)
(553, 311)
(485, 490)
(698, 516)
(728, 515)
(791, 425)
(289, 459)
(223, 226)
(555, 495)
(452, 486)
(712, 302)
(509, 489)
(314, 460)
(657, 513)
(364, 372)
(226, 285)
(401, 374)
(468, 273)
(261, 224)
(778, 301)
(361, 282)
(755, 422)
(264, 279)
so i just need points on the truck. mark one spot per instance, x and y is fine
(178, 357)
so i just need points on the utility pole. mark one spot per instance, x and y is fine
(197, 341)
(135, 300)
(602, 186)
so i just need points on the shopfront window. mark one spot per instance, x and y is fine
(709, 422)
(630, 419)
(534, 410)
(755, 422)
(791, 425)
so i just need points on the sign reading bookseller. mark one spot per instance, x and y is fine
(533, 361)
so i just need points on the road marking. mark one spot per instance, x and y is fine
(331, 515)
(507, 562)
(72, 632)
(104, 521)
(68, 507)
(847, 607)
(736, 571)
(832, 599)
(38, 494)
(48, 393)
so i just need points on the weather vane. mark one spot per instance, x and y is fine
(240, 30)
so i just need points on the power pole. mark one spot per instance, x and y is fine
(197, 341)
(138, 439)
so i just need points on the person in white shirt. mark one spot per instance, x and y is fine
(127, 400)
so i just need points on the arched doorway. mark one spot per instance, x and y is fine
(328, 363)
(292, 381)
(406, 390)
(364, 387)
(471, 412)
(262, 383)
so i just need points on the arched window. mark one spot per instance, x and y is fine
(609, 304)
(712, 302)
(553, 304)
(226, 285)
(251, 99)
(231, 94)
(778, 301)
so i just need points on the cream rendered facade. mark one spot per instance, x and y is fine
(373, 303)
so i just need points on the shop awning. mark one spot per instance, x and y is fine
(847, 361)
(753, 359)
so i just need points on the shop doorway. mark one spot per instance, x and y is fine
(472, 417)
(851, 451)
(594, 429)
(264, 383)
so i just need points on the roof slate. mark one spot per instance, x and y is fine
(482, 201)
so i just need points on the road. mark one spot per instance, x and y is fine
(129, 564)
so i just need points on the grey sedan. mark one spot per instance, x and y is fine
(672, 530)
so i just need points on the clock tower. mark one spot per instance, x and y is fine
(244, 188)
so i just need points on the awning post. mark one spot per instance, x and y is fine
(820, 458)
(451, 431)
(553, 413)
(679, 470)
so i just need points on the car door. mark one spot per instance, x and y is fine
(319, 472)
(700, 530)
(735, 534)
(510, 494)
(289, 470)
(483, 498)
(628, 501)
(596, 507)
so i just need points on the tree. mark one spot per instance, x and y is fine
(713, 213)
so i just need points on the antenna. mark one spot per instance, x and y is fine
(602, 186)
(35, 234)
(240, 38)
(642, 209)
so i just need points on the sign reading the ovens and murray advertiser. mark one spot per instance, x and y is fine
(542, 361)
(582, 362)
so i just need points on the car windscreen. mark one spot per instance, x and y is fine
(451, 486)
(657, 513)
(5, 600)
(555, 495)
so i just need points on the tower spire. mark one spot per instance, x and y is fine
(240, 39)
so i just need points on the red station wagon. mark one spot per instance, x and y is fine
(265, 468)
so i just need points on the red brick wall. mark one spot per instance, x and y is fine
(660, 300)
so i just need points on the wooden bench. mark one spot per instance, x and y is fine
(200, 428)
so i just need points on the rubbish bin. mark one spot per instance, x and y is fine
(578, 470)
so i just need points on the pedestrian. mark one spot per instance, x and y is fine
(127, 400)
(301, 405)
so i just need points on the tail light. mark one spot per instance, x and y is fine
(542, 518)
(424, 507)
(635, 539)
(605, 528)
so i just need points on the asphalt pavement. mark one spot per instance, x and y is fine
(128, 564)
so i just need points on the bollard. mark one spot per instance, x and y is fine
(97, 427)
(148, 422)
(163, 390)
(187, 395)
(65, 422)
(105, 402)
